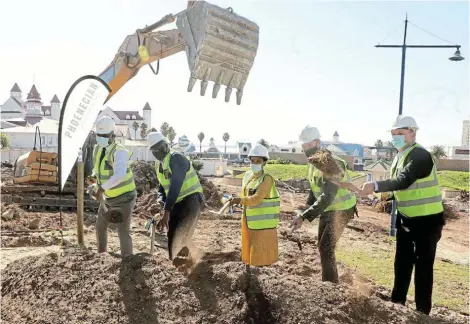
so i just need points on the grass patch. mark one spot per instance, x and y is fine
(287, 171)
(450, 280)
(454, 179)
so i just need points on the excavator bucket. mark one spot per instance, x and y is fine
(220, 46)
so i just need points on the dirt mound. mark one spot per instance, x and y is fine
(24, 220)
(143, 289)
(211, 192)
(147, 206)
(323, 160)
(29, 241)
(145, 176)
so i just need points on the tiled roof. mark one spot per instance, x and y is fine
(15, 88)
(55, 99)
(147, 107)
(121, 114)
(384, 164)
(33, 94)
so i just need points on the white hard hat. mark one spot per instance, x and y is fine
(259, 150)
(105, 125)
(309, 134)
(154, 138)
(404, 122)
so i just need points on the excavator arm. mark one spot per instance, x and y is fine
(220, 47)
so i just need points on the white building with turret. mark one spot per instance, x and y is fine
(19, 112)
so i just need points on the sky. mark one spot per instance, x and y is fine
(316, 65)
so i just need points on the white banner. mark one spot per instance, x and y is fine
(81, 107)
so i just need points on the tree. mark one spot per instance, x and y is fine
(171, 134)
(225, 137)
(200, 137)
(264, 143)
(390, 149)
(4, 140)
(164, 129)
(135, 126)
(379, 144)
(143, 130)
(438, 152)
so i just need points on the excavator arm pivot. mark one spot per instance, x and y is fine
(220, 47)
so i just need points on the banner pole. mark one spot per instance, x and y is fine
(80, 189)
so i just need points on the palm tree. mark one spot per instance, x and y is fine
(225, 137)
(264, 142)
(143, 130)
(438, 152)
(164, 129)
(171, 134)
(200, 136)
(390, 149)
(135, 126)
(379, 144)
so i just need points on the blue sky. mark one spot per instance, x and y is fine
(316, 65)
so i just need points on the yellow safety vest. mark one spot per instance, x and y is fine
(344, 199)
(191, 182)
(266, 214)
(105, 170)
(423, 197)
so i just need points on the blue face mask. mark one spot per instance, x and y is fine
(256, 167)
(398, 141)
(102, 141)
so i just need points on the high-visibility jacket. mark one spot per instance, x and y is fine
(344, 199)
(191, 182)
(104, 170)
(423, 197)
(266, 214)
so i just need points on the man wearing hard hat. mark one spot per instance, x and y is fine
(114, 179)
(335, 206)
(420, 213)
(180, 193)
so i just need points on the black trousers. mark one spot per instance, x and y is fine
(182, 223)
(330, 229)
(416, 247)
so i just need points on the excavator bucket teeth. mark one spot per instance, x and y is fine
(220, 46)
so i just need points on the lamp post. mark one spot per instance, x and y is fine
(455, 58)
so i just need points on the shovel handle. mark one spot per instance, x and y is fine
(152, 239)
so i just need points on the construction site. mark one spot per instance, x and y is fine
(43, 284)
(51, 272)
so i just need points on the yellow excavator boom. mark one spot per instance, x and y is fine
(220, 47)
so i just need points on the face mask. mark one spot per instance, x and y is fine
(256, 167)
(398, 141)
(102, 141)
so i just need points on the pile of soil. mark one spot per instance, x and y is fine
(146, 206)
(323, 160)
(95, 288)
(211, 192)
(29, 241)
(145, 176)
(24, 220)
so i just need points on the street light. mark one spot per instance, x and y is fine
(455, 58)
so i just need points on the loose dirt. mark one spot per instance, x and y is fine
(43, 287)
(323, 160)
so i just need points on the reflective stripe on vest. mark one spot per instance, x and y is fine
(191, 182)
(105, 170)
(344, 199)
(423, 197)
(266, 214)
